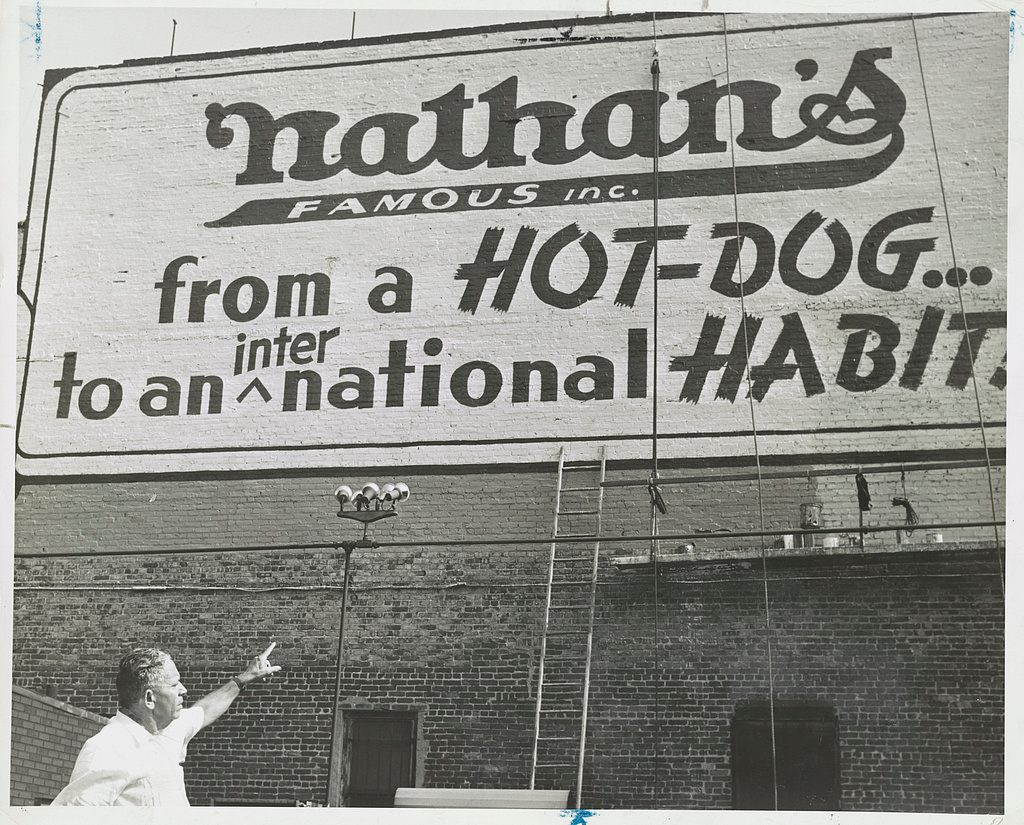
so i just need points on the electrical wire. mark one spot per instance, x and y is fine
(912, 518)
(472, 544)
(655, 547)
(821, 473)
(963, 309)
(753, 421)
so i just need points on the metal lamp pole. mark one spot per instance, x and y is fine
(366, 517)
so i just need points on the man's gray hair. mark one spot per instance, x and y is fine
(137, 671)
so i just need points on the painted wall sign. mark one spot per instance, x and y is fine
(441, 250)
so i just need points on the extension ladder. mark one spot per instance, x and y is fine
(566, 648)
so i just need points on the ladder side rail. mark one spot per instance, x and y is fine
(547, 618)
(590, 634)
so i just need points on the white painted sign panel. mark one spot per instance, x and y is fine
(442, 250)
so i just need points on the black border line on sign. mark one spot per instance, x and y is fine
(579, 439)
(640, 465)
(60, 75)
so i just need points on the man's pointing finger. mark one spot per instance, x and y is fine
(269, 650)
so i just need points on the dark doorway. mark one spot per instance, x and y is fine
(380, 756)
(806, 756)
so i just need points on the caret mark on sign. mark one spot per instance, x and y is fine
(757, 98)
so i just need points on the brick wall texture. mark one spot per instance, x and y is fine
(908, 652)
(46, 736)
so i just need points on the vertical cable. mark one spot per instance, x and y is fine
(753, 424)
(334, 794)
(657, 661)
(656, 81)
(963, 309)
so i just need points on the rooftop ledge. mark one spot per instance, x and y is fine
(907, 551)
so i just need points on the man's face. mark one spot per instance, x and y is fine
(168, 693)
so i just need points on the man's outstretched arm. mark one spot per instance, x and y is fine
(216, 702)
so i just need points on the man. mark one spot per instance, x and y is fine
(136, 759)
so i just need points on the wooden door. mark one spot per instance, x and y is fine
(381, 754)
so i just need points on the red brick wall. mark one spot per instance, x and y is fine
(910, 654)
(46, 736)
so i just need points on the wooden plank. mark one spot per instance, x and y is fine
(479, 798)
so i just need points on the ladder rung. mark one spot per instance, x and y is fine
(578, 512)
(581, 465)
(557, 738)
(580, 489)
(590, 536)
(556, 764)
(567, 632)
(574, 558)
(570, 607)
(564, 684)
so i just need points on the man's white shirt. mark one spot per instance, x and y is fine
(124, 764)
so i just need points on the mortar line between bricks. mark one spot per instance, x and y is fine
(482, 585)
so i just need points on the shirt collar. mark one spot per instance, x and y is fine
(131, 727)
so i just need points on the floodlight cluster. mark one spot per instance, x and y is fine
(381, 497)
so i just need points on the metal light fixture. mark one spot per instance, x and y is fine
(372, 502)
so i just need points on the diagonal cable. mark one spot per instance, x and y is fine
(753, 422)
(963, 309)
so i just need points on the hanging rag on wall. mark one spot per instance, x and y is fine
(863, 494)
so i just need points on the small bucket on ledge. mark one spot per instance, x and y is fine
(810, 519)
